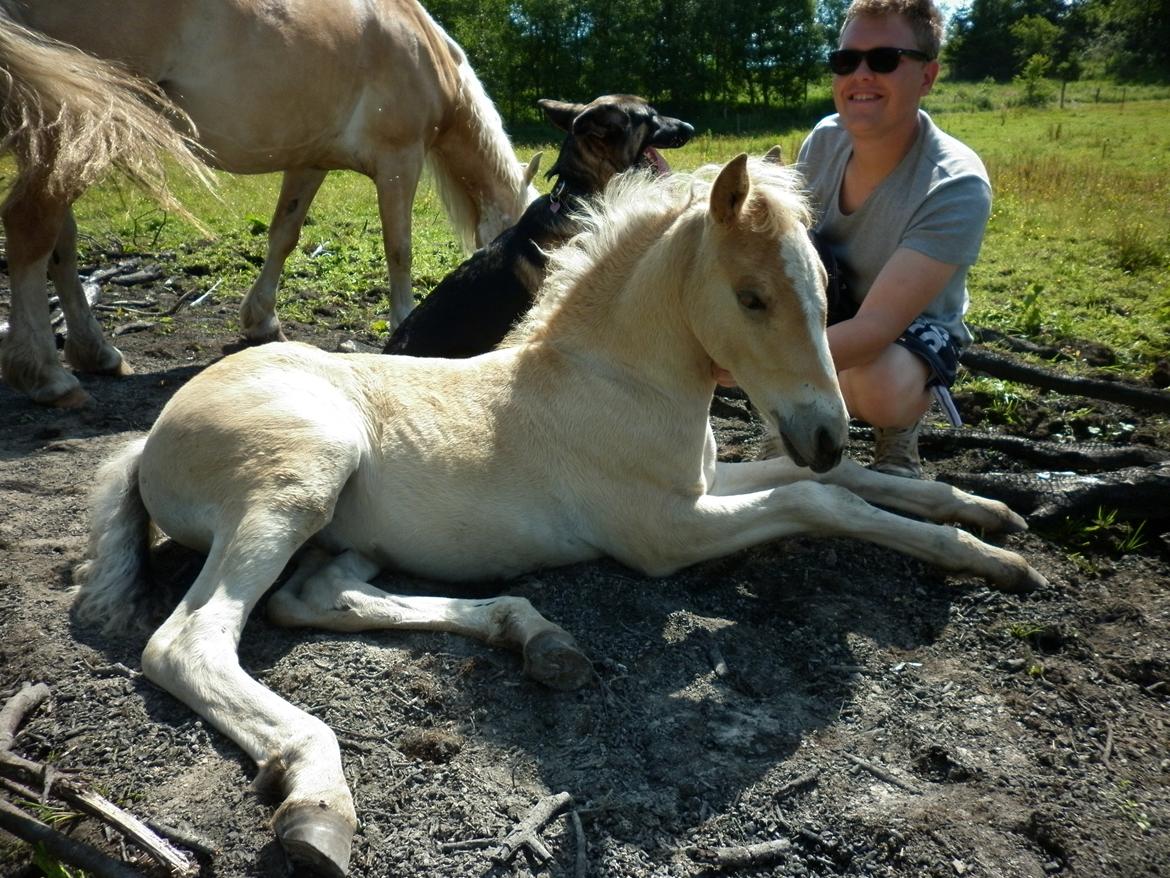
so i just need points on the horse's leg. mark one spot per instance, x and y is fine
(397, 180)
(86, 349)
(337, 595)
(714, 526)
(936, 501)
(258, 320)
(33, 222)
(193, 656)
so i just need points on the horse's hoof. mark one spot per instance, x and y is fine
(316, 840)
(266, 330)
(552, 658)
(74, 399)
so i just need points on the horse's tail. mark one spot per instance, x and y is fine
(112, 577)
(68, 117)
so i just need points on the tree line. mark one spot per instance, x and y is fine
(765, 53)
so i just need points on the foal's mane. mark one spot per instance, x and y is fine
(635, 211)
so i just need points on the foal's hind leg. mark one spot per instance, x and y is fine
(33, 221)
(86, 349)
(336, 594)
(397, 181)
(193, 656)
(258, 320)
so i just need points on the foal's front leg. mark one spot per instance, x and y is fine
(718, 525)
(336, 594)
(936, 501)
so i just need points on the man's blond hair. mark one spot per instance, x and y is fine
(923, 17)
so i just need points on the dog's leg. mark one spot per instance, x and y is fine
(258, 320)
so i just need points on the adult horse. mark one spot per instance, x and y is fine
(298, 86)
(586, 435)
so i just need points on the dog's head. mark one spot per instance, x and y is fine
(609, 135)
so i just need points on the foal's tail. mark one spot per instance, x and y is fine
(112, 577)
(67, 117)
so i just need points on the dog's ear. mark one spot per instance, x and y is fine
(600, 119)
(730, 190)
(775, 155)
(560, 113)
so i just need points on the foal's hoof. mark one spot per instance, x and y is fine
(315, 839)
(552, 658)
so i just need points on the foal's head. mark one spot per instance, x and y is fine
(760, 310)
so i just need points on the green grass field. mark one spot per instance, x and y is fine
(1078, 245)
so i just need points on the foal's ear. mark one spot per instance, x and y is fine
(775, 155)
(532, 168)
(560, 113)
(730, 190)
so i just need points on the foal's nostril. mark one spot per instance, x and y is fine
(827, 451)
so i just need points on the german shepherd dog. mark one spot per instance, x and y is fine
(472, 309)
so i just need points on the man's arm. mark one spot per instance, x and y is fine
(903, 288)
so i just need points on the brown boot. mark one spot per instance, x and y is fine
(895, 451)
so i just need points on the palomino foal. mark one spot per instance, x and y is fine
(586, 436)
(297, 86)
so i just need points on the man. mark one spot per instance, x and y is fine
(902, 206)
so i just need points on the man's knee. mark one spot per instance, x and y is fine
(889, 391)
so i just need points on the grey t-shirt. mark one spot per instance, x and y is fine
(937, 202)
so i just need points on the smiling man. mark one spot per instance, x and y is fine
(902, 206)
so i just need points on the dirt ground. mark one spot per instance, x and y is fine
(868, 713)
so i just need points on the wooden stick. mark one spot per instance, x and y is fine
(65, 849)
(21, 704)
(882, 774)
(762, 854)
(525, 834)
(582, 863)
(806, 779)
(77, 795)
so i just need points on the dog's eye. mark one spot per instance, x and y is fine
(750, 300)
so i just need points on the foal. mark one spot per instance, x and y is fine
(586, 436)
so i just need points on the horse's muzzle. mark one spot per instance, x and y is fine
(826, 453)
(817, 446)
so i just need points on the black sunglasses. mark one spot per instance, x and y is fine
(881, 60)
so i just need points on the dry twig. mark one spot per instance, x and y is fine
(744, 856)
(526, 833)
(18, 769)
(880, 773)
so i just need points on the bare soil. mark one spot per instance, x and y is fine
(872, 715)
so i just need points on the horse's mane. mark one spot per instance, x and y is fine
(492, 143)
(634, 211)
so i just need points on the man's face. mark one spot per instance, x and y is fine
(875, 104)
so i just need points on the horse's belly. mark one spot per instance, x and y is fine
(473, 543)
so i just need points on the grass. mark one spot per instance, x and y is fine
(1078, 245)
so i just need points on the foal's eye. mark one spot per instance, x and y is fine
(750, 300)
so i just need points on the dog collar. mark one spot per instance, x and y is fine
(554, 197)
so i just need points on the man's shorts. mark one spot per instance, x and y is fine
(934, 345)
